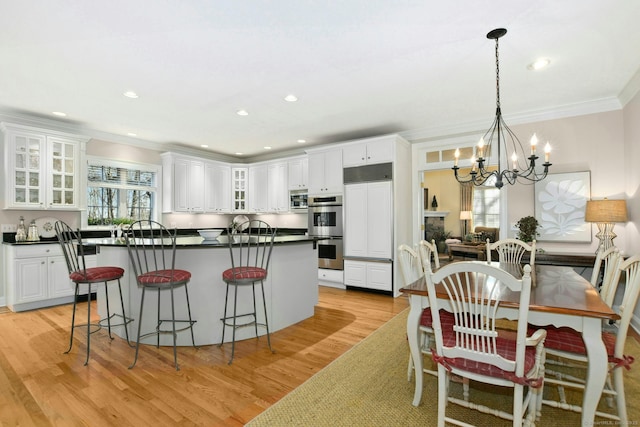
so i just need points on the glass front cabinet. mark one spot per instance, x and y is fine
(42, 169)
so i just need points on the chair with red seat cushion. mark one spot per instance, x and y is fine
(413, 264)
(73, 249)
(152, 253)
(475, 348)
(250, 245)
(565, 346)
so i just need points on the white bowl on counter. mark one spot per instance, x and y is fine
(210, 234)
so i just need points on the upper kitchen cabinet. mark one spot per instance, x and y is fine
(298, 170)
(41, 168)
(258, 188)
(217, 197)
(183, 184)
(278, 190)
(325, 172)
(268, 192)
(372, 151)
(240, 183)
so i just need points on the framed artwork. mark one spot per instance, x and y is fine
(560, 201)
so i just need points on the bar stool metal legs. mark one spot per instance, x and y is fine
(158, 329)
(100, 324)
(231, 321)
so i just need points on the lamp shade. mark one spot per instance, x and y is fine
(465, 215)
(606, 211)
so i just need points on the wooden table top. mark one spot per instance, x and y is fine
(555, 289)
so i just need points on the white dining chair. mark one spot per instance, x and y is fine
(566, 345)
(512, 250)
(605, 266)
(428, 251)
(475, 347)
(411, 270)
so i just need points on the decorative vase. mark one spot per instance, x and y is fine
(434, 204)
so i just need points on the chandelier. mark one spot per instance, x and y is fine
(498, 135)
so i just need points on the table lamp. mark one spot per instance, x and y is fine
(606, 213)
(464, 217)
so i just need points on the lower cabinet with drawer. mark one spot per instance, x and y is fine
(331, 278)
(36, 276)
(369, 274)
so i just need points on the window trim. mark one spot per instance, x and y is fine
(146, 167)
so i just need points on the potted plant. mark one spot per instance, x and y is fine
(440, 235)
(528, 229)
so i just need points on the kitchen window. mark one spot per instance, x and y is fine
(119, 192)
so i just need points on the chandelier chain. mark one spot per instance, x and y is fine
(497, 77)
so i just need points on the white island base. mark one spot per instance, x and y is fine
(291, 292)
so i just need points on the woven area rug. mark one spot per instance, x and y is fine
(367, 386)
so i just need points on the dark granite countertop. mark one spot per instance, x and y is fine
(199, 242)
(186, 238)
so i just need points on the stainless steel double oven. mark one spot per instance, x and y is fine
(325, 222)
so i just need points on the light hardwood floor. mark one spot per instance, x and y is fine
(41, 386)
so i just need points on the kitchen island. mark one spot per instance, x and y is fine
(291, 288)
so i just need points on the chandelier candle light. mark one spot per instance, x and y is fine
(501, 134)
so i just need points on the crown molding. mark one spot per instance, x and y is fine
(631, 89)
(560, 112)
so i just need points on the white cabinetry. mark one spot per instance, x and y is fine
(258, 188)
(298, 170)
(368, 227)
(369, 152)
(42, 168)
(217, 197)
(268, 192)
(277, 187)
(325, 172)
(377, 213)
(240, 177)
(183, 184)
(36, 276)
(368, 274)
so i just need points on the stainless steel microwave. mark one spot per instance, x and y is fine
(298, 199)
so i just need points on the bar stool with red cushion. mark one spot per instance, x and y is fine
(250, 255)
(73, 249)
(152, 252)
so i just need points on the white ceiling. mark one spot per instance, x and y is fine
(359, 67)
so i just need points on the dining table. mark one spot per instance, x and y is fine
(559, 297)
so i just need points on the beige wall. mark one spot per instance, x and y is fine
(631, 116)
(443, 185)
(594, 143)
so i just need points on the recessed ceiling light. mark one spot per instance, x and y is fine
(538, 64)
(132, 134)
(59, 114)
(302, 141)
(204, 146)
(239, 154)
(242, 112)
(267, 148)
(291, 98)
(130, 94)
